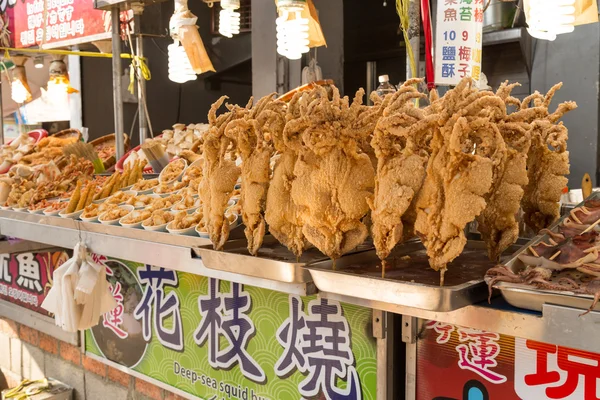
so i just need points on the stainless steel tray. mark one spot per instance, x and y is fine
(274, 261)
(531, 298)
(409, 281)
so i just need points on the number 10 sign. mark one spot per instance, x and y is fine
(458, 40)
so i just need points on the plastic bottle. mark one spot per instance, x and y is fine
(385, 87)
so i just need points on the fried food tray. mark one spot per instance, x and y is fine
(409, 281)
(531, 298)
(274, 261)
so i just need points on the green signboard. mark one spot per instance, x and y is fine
(221, 340)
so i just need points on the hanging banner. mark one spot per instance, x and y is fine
(57, 23)
(455, 363)
(25, 278)
(220, 340)
(458, 39)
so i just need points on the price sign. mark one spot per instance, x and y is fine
(458, 40)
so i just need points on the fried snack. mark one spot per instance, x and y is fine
(83, 198)
(194, 184)
(547, 160)
(71, 207)
(159, 217)
(333, 176)
(186, 203)
(140, 200)
(113, 214)
(401, 145)
(220, 172)
(57, 206)
(165, 188)
(136, 216)
(183, 220)
(145, 185)
(120, 197)
(497, 223)
(457, 180)
(192, 172)
(282, 214)
(106, 188)
(90, 211)
(255, 149)
(188, 191)
(171, 171)
(41, 205)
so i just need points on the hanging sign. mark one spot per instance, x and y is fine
(458, 41)
(221, 340)
(57, 23)
(25, 278)
(455, 363)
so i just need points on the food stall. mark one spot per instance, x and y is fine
(310, 246)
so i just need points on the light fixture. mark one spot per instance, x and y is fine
(548, 18)
(229, 19)
(292, 29)
(38, 62)
(59, 84)
(19, 88)
(190, 58)
(180, 68)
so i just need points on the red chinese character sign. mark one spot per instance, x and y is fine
(458, 40)
(456, 363)
(54, 23)
(25, 278)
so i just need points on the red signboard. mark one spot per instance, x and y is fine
(455, 363)
(67, 22)
(25, 278)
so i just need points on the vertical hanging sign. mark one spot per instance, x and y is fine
(458, 40)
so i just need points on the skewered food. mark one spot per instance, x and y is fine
(401, 144)
(255, 151)
(219, 172)
(333, 177)
(465, 154)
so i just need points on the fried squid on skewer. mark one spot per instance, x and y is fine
(457, 180)
(220, 173)
(401, 143)
(333, 177)
(497, 223)
(252, 137)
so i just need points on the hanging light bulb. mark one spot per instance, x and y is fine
(548, 18)
(229, 19)
(292, 33)
(59, 85)
(19, 87)
(38, 62)
(180, 68)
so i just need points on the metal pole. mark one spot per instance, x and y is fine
(414, 37)
(116, 75)
(141, 86)
(371, 79)
(1, 119)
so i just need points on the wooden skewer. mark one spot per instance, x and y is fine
(591, 227)
(533, 251)
(555, 255)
